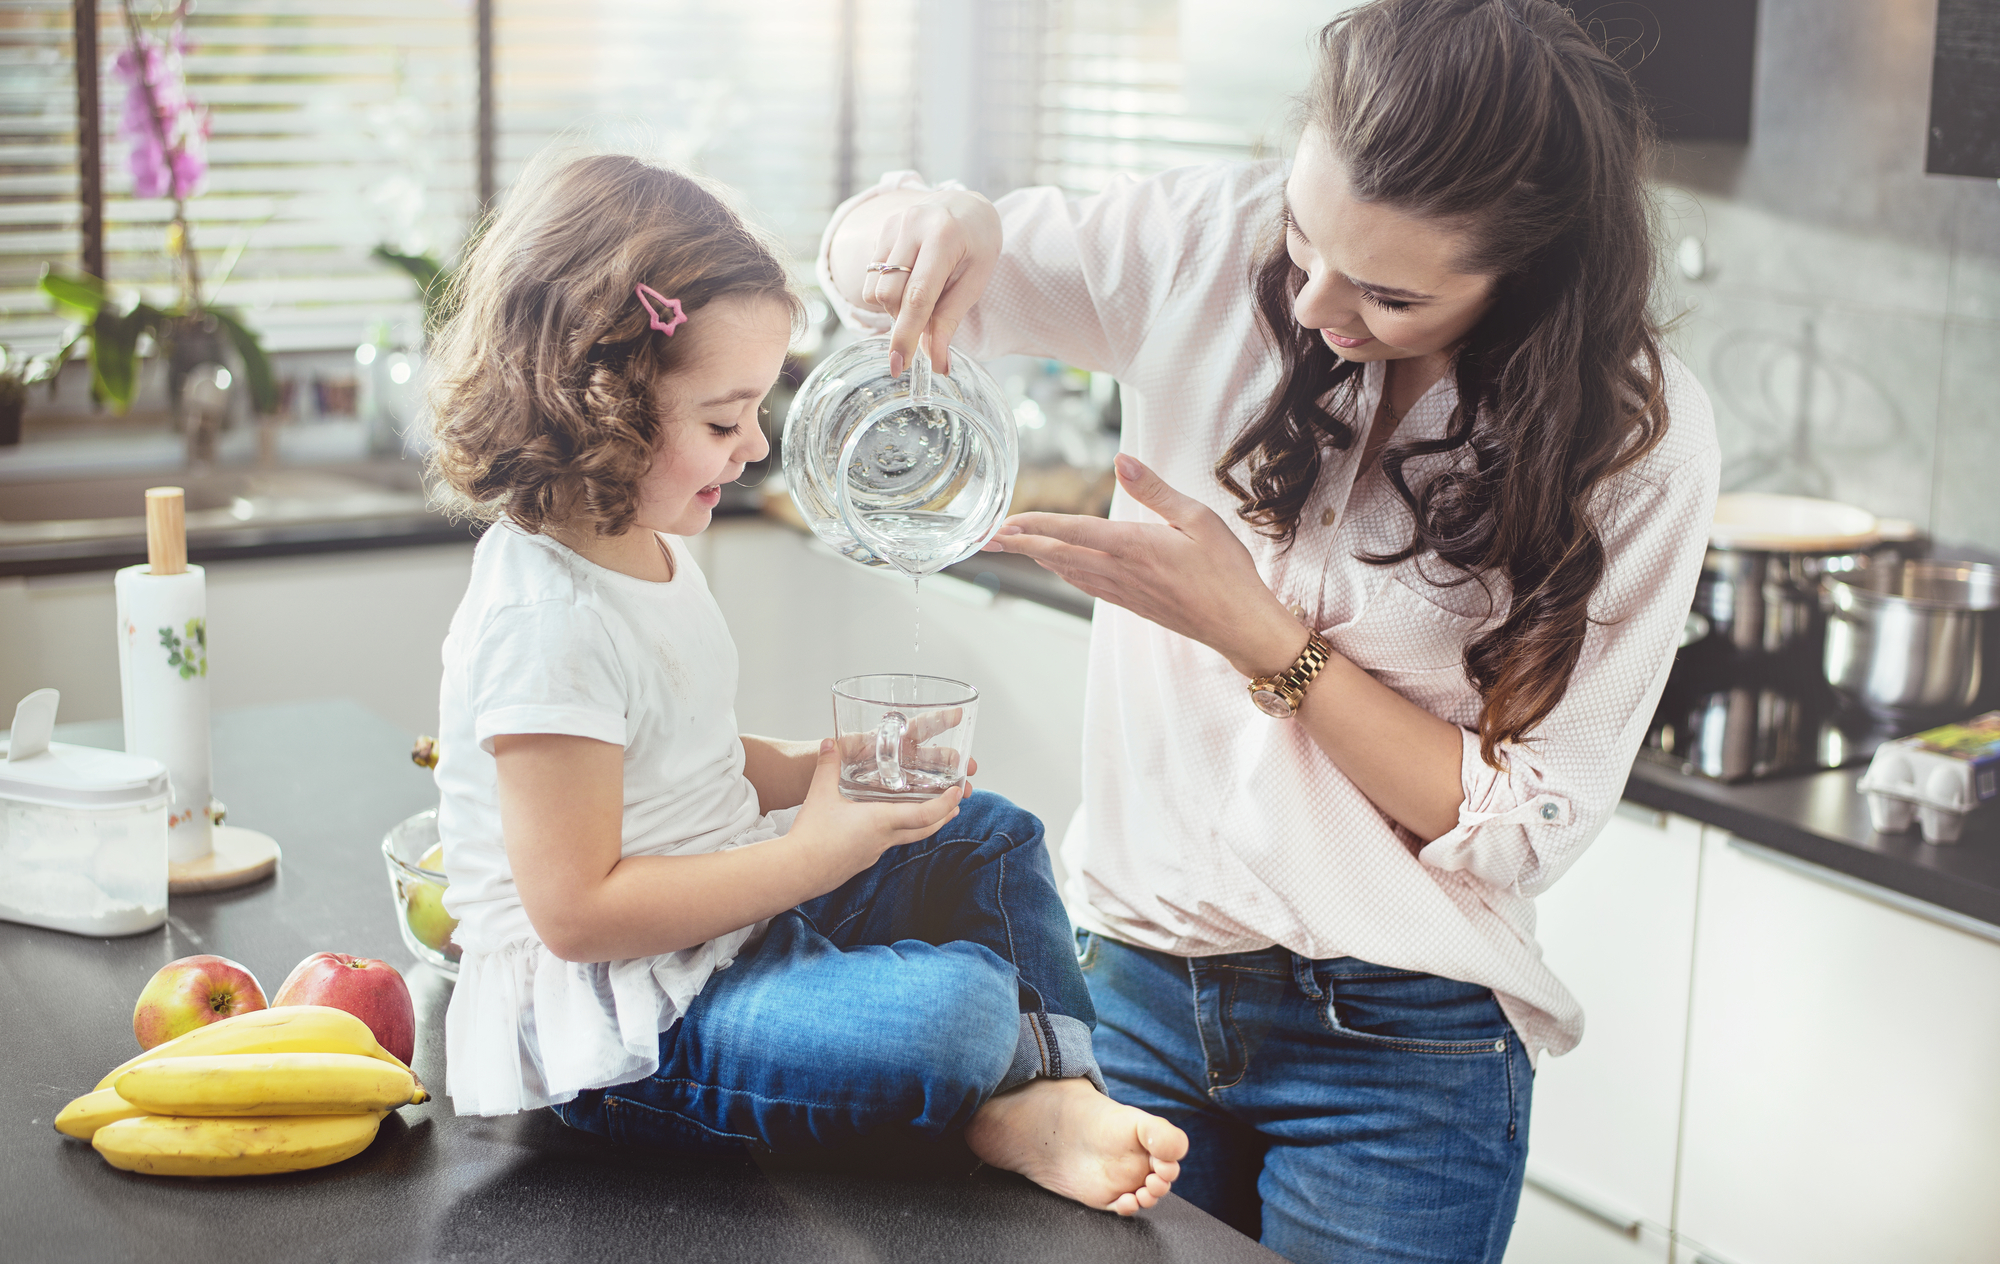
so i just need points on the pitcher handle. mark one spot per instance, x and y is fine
(889, 749)
(920, 376)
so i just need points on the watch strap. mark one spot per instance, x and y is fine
(1291, 683)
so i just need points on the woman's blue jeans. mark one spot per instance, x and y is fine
(1335, 1110)
(886, 1011)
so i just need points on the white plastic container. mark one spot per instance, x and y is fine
(83, 832)
(1934, 778)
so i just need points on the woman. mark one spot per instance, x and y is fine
(1411, 507)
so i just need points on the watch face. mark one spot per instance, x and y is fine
(1272, 703)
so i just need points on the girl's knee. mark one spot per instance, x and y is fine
(989, 815)
(962, 1012)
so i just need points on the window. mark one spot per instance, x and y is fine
(750, 94)
(1132, 87)
(38, 171)
(341, 124)
(336, 125)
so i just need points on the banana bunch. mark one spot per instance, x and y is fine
(274, 1090)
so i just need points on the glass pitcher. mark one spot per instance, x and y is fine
(913, 472)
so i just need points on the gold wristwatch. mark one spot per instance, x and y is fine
(1280, 696)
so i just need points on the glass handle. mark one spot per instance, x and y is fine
(889, 751)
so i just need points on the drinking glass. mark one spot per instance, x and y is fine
(902, 738)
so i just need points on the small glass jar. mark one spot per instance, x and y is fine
(83, 839)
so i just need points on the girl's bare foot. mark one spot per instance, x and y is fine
(1066, 1136)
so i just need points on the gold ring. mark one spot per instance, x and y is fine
(887, 267)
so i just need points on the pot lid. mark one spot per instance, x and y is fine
(37, 770)
(1791, 524)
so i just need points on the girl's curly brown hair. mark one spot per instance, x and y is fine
(545, 375)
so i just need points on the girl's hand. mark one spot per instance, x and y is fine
(950, 241)
(1190, 574)
(850, 836)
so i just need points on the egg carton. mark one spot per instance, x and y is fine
(1934, 778)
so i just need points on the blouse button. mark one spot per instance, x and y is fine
(1326, 519)
(1298, 612)
(1548, 811)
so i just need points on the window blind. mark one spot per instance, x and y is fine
(748, 94)
(340, 124)
(38, 173)
(1132, 87)
(1111, 99)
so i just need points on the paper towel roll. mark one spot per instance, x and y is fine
(163, 668)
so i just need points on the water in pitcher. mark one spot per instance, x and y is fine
(916, 542)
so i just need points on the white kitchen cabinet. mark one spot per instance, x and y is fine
(366, 626)
(1552, 1229)
(1618, 930)
(1843, 1085)
(803, 617)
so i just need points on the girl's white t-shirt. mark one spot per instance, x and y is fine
(548, 642)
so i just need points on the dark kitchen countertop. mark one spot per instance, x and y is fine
(402, 527)
(1822, 820)
(1017, 576)
(327, 779)
(61, 557)
(69, 522)
(1005, 574)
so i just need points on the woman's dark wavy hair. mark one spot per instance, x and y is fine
(546, 375)
(1502, 118)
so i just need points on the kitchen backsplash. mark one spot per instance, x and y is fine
(1847, 323)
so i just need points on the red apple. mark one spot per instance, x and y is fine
(193, 992)
(370, 990)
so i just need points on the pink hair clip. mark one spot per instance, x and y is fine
(666, 327)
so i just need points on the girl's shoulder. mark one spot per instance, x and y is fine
(523, 586)
(514, 567)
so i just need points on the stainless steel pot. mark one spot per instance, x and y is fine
(1916, 638)
(1761, 600)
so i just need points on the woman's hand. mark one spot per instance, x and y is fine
(949, 240)
(848, 836)
(1189, 574)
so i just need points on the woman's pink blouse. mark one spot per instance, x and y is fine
(1208, 828)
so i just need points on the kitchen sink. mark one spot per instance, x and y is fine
(219, 502)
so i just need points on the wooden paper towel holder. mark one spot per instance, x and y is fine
(238, 856)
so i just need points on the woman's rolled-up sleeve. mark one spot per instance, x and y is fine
(1080, 280)
(1525, 822)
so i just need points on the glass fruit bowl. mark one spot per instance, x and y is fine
(417, 882)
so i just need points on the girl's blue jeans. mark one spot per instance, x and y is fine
(1335, 1110)
(887, 1010)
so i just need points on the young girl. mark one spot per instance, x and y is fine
(675, 934)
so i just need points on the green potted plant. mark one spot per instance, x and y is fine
(168, 137)
(433, 282)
